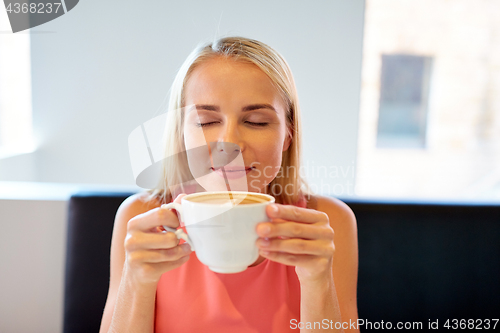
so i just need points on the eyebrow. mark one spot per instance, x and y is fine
(258, 106)
(251, 107)
(207, 107)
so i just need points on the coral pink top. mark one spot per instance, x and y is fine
(192, 298)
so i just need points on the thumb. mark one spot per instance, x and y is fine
(179, 197)
(178, 200)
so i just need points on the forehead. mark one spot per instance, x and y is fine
(222, 79)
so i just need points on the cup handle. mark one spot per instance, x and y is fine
(178, 232)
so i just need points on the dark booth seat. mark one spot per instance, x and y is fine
(90, 226)
(422, 261)
(417, 261)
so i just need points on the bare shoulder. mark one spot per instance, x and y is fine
(340, 214)
(135, 205)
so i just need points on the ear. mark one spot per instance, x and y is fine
(288, 139)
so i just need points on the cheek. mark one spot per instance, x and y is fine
(270, 148)
(270, 155)
(196, 151)
(194, 137)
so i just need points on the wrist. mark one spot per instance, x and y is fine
(321, 280)
(134, 306)
(137, 283)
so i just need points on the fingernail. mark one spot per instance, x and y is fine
(265, 242)
(265, 229)
(273, 209)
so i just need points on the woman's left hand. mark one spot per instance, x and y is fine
(298, 237)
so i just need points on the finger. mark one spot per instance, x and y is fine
(293, 230)
(162, 266)
(173, 254)
(301, 260)
(176, 253)
(140, 240)
(293, 213)
(169, 265)
(305, 261)
(297, 246)
(152, 219)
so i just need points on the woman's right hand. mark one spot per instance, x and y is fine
(149, 250)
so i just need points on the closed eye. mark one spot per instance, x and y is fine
(257, 124)
(206, 124)
(251, 123)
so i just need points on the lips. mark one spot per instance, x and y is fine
(232, 172)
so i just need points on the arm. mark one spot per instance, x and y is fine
(140, 253)
(345, 260)
(304, 238)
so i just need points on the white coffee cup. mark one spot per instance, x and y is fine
(221, 227)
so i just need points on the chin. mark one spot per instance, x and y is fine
(257, 186)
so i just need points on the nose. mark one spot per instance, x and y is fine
(230, 140)
(227, 147)
(223, 153)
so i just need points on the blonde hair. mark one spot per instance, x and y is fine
(175, 169)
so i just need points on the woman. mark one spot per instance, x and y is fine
(243, 93)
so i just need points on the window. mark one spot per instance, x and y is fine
(16, 133)
(404, 88)
(429, 124)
